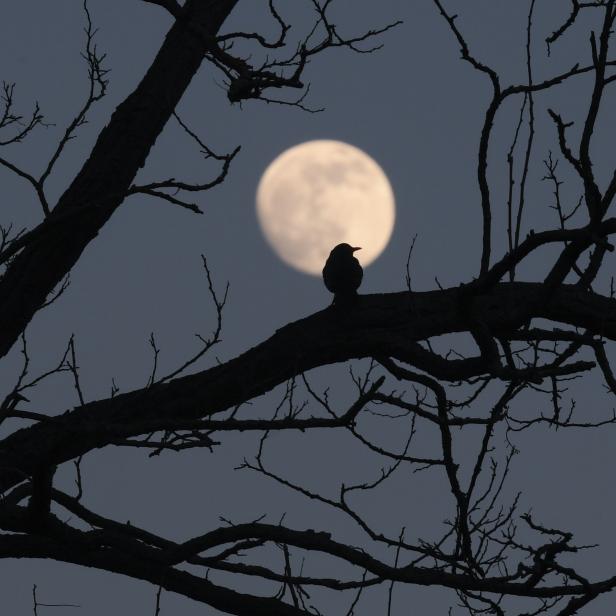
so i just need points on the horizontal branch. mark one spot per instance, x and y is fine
(388, 325)
(322, 542)
(125, 556)
(73, 546)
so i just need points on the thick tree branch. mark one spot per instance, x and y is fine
(141, 563)
(105, 179)
(380, 326)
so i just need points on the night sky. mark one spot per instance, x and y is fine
(414, 107)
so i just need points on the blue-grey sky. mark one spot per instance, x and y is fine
(413, 106)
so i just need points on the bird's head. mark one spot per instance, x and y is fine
(344, 250)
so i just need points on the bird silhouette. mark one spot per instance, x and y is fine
(342, 273)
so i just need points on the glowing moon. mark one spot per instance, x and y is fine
(318, 194)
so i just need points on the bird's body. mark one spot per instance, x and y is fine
(342, 273)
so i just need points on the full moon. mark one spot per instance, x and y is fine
(321, 193)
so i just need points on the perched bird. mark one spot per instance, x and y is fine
(342, 273)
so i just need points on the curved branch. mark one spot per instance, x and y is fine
(72, 547)
(387, 325)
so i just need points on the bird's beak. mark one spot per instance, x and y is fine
(354, 248)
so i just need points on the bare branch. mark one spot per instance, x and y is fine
(97, 90)
(154, 189)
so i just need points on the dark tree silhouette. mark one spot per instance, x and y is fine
(530, 337)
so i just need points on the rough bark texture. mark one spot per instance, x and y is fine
(378, 326)
(101, 185)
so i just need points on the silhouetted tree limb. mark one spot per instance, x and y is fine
(500, 94)
(154, 189)
(382, 326)
(525, 337)
(123, 145)
(105, 179)
(97, 90)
